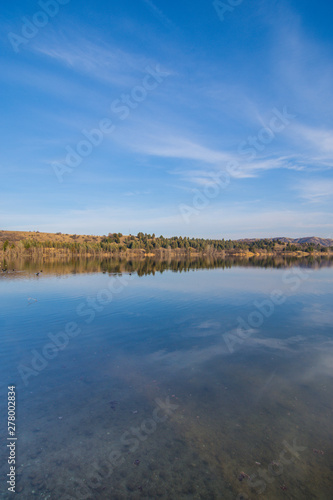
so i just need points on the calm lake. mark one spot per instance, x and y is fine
(204, 379)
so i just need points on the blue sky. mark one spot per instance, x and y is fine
(186, 93)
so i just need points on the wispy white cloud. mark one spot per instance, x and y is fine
(101, 61)
(302, 67)
(137, 193)
(204, 160)
(317, 143)
(173, 146)
(288, 344)
(317, 314)
(321, 365)
(160, 15)
(315, 190)
(321, 139)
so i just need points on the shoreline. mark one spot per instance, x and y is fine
(141, 254)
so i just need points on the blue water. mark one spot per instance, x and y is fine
(207, 384)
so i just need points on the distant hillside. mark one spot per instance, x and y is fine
(307, 240)
(310, 240)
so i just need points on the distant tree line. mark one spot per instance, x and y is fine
(149, 243)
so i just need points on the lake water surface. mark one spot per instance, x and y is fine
(210, 383)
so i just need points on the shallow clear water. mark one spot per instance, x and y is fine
(208, 384)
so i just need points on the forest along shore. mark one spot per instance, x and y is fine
(15, 244)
